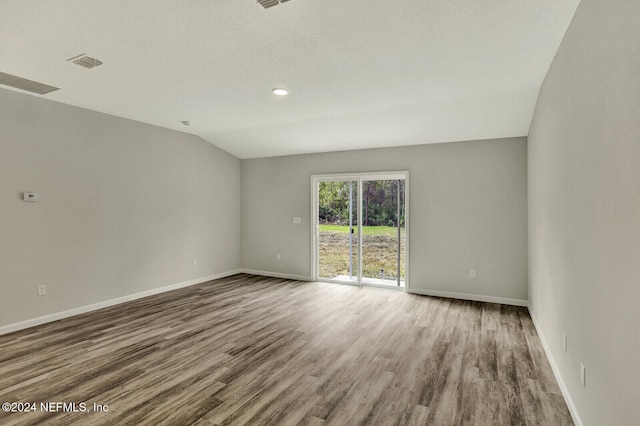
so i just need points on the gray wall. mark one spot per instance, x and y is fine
(467, 210)
(124, 207)
(584, 211)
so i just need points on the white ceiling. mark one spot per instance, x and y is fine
(361, 73)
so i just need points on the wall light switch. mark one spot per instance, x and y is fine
(297, 220)
(194, 261)
(472, 273)
(42, 290)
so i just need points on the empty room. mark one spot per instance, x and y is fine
(319, 212)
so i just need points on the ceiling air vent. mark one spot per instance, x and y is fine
(269, 3)
(24, 84)
(85, 61)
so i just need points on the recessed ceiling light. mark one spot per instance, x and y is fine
(280, 91)
(186, 123)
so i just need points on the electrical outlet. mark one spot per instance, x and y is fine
(583, 373)
(472, 273)
(194, 262)
(42, 290)
(565, 343)
(277, 256)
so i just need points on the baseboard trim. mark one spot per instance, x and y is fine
(105, 304)
(276, 275)
(465, 296)
(556, 372)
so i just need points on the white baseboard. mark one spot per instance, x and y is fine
(95, 306)
(556, 372)
(276, 275)
(465, 296)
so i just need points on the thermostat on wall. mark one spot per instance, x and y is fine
(30, 196)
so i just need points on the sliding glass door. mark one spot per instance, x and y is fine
(360, 229)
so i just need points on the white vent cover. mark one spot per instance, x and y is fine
(24, 84)
(270, 3)
(85, 61)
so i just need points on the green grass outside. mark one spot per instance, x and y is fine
(366, 230)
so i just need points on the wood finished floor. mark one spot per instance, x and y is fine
(255, 350)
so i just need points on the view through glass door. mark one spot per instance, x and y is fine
(337, 230)
(367, 251)
(383, 232)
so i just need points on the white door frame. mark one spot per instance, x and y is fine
(359, 178)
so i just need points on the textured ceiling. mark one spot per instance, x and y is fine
(361, 73)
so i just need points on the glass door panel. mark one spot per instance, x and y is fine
(383, 232)
(337, 230)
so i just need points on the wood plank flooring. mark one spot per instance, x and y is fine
(263, 351)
